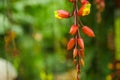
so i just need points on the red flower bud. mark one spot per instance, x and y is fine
(82, 53)
(73, 29)
(86, 30)
(78, 68)
(80, 43)
(62, 14)
(71, 44)
(75, 61)
(75, 52)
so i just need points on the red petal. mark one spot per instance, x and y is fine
(75, 52)
(82, 53)
(71, 44)
(81, 10)
(73, 29)
(63, 14)
(78, 68)
(86, 30)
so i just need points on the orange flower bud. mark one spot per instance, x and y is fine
(84, 1)
(86, 30)
(73, 29)
(85, 9)
(62, 14)
(75, 61)
(82, 62)
(80, 42)
(75, 52)
(78, 68)
(82, 53)
(71, 44)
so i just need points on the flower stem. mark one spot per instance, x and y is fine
(77, 36)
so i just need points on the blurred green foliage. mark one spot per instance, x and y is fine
(41, 39)
(117, 33)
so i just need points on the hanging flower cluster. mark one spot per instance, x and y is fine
(100, 4)
(76, 42)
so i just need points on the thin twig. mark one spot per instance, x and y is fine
(73, 10)
(80, 22)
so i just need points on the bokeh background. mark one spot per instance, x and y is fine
(34, 41)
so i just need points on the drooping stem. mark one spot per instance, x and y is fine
(76, 37)
(75, 13)
(80, 22)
